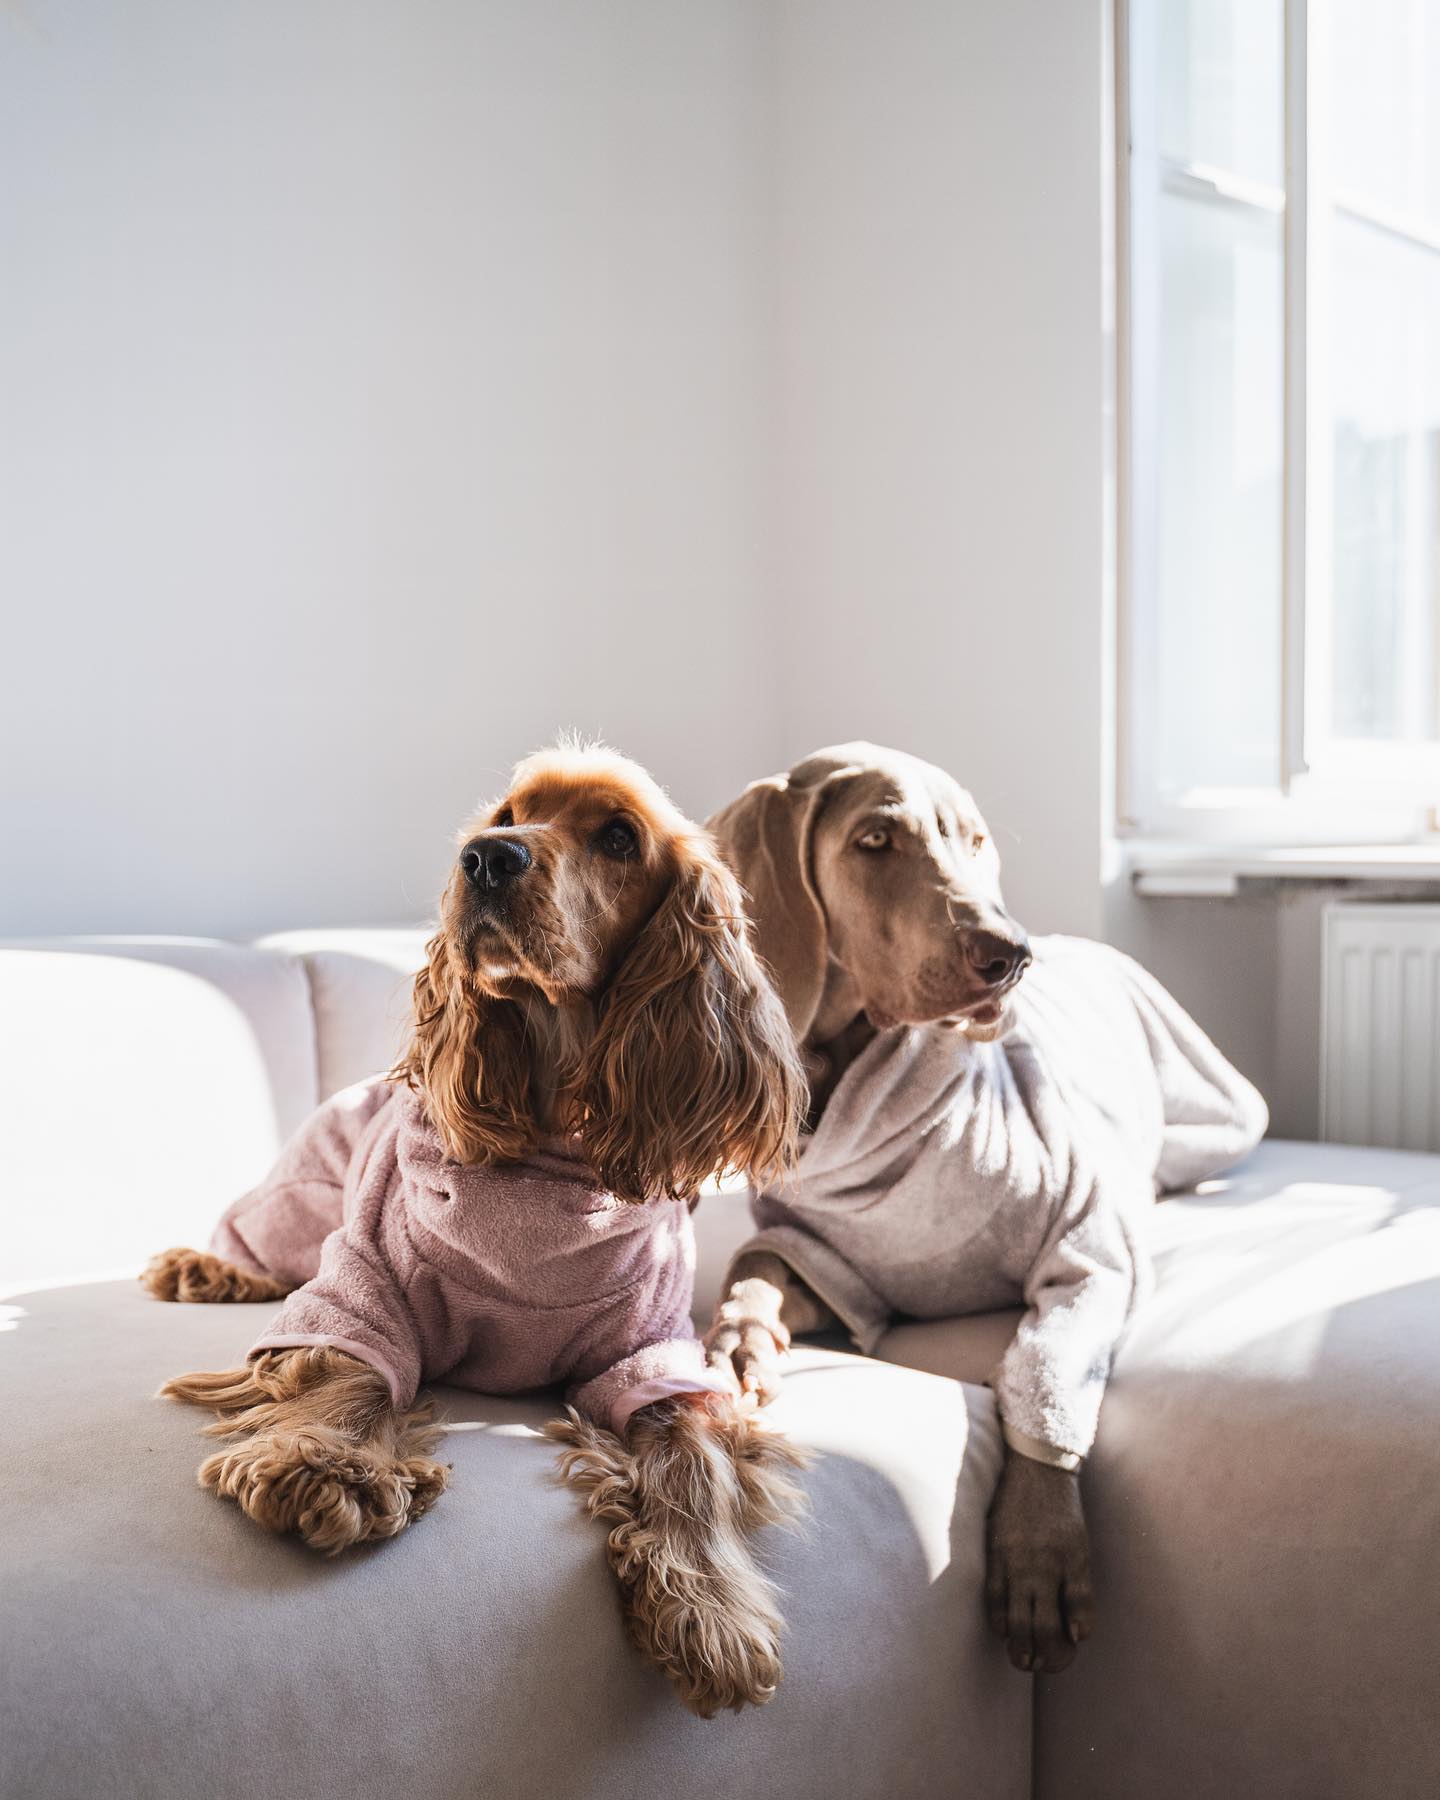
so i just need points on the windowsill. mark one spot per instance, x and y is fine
(1172, 870)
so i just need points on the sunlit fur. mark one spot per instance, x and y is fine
(617, 1002)
(198, 1277)
(623, 1003)
(320, 1450)
(679, 1497)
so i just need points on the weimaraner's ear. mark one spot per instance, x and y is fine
(765, 837)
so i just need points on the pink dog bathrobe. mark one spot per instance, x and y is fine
(500, 1278)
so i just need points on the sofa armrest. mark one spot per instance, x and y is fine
(144, 1083)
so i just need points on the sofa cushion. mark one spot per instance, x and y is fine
(965, 1349)
(1264, 1499)
(360, 991)
(154, 1643)
(144, 1083)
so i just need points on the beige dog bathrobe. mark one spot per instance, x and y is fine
(952, 1176)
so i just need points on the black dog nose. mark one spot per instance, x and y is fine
(998, 961)
(491, 862)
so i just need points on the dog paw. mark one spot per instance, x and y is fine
(330, 1493)
(747, 1340)
(1038, 1595)
(426, 1480)
(1041, 1604)
(719, 1644)
(196, 1277)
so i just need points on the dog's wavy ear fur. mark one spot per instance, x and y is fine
(470, 1060)
(766, 837)
(693, 1068)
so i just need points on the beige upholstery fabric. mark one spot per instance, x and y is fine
(154, 1644)
(1264, 1495)
(360, 989)
(193, 1061)
(965, 1349)
(1265, 1500)
(144, 1082)
(722, 1224)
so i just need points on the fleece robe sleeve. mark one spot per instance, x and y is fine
(641, 1347)
(1079, 1294)
(354, 1304)
(654, 1372)
(278, 1228)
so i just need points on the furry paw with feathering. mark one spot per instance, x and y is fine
(197, 1277)
(679, 1494)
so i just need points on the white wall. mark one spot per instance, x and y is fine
(385, 383)
(380, 386)
(388, 384)
(1222, 959)
(943, 467)
(940, 447)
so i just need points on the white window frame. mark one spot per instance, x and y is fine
(1321, 793)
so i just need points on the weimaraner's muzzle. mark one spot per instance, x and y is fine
(875, 888)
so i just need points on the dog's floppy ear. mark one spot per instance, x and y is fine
(469, 1059)
(693, 1068)
(766, 837)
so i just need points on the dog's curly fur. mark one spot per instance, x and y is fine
(198, 1277)
(616, 998)
(320, 1450)
(624, 1005)
(679, 1497)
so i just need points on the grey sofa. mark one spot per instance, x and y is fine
(1265, 1494)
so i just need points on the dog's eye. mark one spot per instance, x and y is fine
(877, 839)
(617, 839)
(504, 817)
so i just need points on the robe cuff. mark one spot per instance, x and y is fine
(1039, 1451)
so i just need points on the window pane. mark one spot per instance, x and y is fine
(1385, 107)
(1385, 385)
(1221, 85)
(1219, 443)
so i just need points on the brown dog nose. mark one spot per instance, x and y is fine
(493, 862)
(998, 961)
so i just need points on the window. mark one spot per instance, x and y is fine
(1280, 447)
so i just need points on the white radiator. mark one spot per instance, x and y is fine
(1380, 1051)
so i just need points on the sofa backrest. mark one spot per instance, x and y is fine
(360, 985)
(145, 1082)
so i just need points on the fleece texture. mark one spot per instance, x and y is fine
(502, 1279)
(947, 1176)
